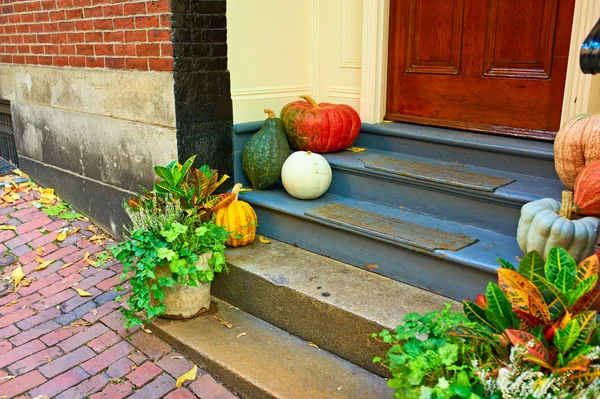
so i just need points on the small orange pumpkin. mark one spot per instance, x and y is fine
(577, 144)
(239, 219)
(587, 190)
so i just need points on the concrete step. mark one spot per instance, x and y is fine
(266, 362)
(457, 274)
(335, 305)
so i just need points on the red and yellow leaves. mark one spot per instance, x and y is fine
(537, 352)
(523, 294)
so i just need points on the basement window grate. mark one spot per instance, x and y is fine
(8, 146)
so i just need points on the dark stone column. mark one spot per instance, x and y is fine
(203, 105)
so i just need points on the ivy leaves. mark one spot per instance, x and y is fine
(177, 244)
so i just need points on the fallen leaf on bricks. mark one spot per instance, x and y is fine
(48, 359)
(189, 376)
(82, 292)
(40, 251)
(17, 275)
(45, 264)
(7, 227)
(66, 265)
(13, 302)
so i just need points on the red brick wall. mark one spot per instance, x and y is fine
(125, 34)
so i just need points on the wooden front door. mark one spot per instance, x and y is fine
(495, 66)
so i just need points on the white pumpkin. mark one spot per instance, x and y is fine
(306, 175)
(547, 223)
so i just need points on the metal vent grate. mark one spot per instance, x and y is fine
(8, 147)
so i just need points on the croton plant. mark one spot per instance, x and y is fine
(542, 336)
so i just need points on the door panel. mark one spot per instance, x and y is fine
(519, 38)
(495, 66)
(434, 41)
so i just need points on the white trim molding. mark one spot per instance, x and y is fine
(344, 92)
(578, 87)
(346, 61)
(374, 60)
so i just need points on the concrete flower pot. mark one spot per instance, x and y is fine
(182, 301)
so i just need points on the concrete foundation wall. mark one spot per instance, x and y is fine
(93, 134)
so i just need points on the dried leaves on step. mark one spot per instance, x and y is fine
(223, 322)
(313, 344)
(189, 376)
(356, 149)
(263, 240)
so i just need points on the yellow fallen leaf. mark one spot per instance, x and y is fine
(7, 227)
(223, 322)
(40, 251)
(82, 292)
(92, 228)
(17, 275)
(48, 359)
(44, 265)
(62, 235)
(19, 173)
(86, 258)
(66, 265)
(13, 302)
(8, 199)
(47, 191)
(312, 344)
(356, 149)
(263, 240)
(15, 196)
(242, 334)
(189, 376)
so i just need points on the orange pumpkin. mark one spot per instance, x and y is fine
(587, 190)
(577, 144)
(239, 219)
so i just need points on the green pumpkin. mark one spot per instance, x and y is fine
(265, 152)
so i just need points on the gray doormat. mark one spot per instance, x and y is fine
(436, 173)
(389, 228)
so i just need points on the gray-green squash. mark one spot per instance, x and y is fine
(265, 152)
(547, 223)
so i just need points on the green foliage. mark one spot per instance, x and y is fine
(192, 187)
(63, 211)
(170, 227)
(425, 362)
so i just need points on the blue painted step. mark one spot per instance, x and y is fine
(455, 274)
(491, 178)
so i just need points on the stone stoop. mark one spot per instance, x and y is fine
(301, 325)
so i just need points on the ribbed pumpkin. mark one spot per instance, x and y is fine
(320, 127)
(547, 223)
(239, 219)
(265, 152)
(587, 190)
(577, 144)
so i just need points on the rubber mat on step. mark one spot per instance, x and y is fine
(390, 229)
(444, 173)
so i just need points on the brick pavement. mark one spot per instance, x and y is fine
(55, 343)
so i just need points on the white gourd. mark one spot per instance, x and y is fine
(306, 175)
(545, 224)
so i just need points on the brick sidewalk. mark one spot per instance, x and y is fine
(61, 345)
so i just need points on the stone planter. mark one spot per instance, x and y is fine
(182, 301)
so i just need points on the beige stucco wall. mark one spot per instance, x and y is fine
(279, 50)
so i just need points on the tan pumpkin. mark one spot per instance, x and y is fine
(239, 219)
(577, 144)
